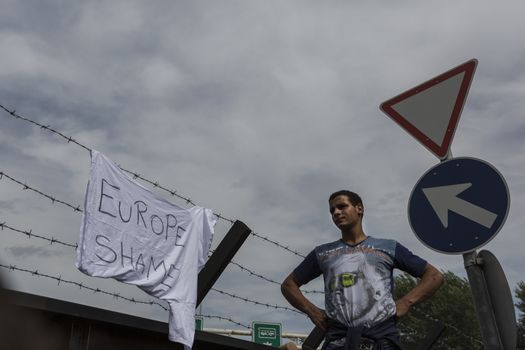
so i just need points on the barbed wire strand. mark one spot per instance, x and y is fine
(113, 295)
(155, 184)
(225, 319)
(2, 225)
(247, 300)
(267, 279)
(30, 234)
(59, 279)
(45, 127)
(252, 273)
(27, 187)
(133, 300)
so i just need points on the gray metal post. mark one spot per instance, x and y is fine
(501, 298)
(482, 303)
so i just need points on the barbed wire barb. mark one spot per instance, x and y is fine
(255, 302)
(224, 319)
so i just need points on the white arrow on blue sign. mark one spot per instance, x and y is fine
(459, 205)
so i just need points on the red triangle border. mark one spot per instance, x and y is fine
(440, 151)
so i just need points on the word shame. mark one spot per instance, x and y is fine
(127, 257)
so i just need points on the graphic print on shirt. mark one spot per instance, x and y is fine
(358, 288)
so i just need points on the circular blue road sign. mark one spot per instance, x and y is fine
(459, 205)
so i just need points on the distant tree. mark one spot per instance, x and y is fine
(520, 295)
(451, 305)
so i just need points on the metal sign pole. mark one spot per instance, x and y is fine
(482, 303)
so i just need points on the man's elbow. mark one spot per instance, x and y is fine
(440, 279)
(283, 289)
(288, 284)
(436, 277)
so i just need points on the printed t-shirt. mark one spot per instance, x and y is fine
(358, 280)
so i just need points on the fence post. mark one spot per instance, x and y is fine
(222, 256)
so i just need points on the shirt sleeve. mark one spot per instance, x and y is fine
(203, 224)
(405, 260)
(208, 224)
(308, 269)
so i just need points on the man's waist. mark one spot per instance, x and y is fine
(385, 331)
(378, 327)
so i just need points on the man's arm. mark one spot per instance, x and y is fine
(430, 282)
(292, 293)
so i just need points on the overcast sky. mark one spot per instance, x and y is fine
(257, 110)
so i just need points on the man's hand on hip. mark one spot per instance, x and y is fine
(319, 318)
(402, 307)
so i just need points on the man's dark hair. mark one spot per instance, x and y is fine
(352, 196)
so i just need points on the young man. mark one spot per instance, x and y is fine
(358, 279)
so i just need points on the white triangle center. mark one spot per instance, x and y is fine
(430, 111)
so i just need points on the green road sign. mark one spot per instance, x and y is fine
(266, 333)
(198, 323)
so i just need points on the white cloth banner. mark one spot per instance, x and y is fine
(131, 234)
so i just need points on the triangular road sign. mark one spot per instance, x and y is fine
(430, 111)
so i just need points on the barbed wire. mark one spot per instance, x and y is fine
(287, 248)
(157, 185)
(77, 209)
(174, 193)
(59, 279)
(225, 319)
(267, 279)
(45, 127)
(53, 240)
(247, 300)
(306, 291)
(136, 175)
(114, 294)
(30, 234)
(26, 187)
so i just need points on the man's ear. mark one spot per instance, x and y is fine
(360, 209)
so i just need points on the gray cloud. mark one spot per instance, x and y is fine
(33, 251)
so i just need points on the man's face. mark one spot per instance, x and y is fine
(344, 214)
